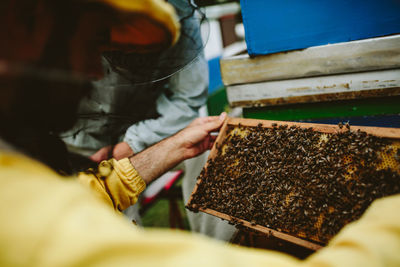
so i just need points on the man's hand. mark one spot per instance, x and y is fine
(119, 151)
(122, 150)
(190, 142)
(197, 138)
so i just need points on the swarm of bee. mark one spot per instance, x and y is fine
(296, 180)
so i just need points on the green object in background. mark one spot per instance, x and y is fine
(217, 102)
(158, 215)
(322, 110)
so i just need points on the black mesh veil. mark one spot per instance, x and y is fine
(147, 71)
(134, 82)
(141, 68)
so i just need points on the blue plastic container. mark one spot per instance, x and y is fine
(276, 26)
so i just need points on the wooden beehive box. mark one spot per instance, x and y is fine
(299, 182)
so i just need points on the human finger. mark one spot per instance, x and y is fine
(101, 154)
(203, 120)
(214, 124)
(211, 143)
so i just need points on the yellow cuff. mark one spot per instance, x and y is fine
(129, 175)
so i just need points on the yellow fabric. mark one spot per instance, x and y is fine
(47, 220)
(158, 11)
(117, 183)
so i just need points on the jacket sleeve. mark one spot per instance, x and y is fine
(48, 220)
(189, 92)
(115, 182)
(372, 241)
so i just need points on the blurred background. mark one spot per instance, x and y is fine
(223, 35)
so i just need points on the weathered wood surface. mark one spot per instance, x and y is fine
(316, 89)
(364, 55)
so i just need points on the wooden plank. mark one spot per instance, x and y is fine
(364, 55)
(316, 89)
(266, 230)
(391, 133)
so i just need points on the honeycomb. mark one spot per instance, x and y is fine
(255, 179)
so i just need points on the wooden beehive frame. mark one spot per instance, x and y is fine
(390, 133)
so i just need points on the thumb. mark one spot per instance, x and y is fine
(215, 124)
(223, 116)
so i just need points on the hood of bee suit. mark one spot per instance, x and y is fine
(144, 69)
(142, 26)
